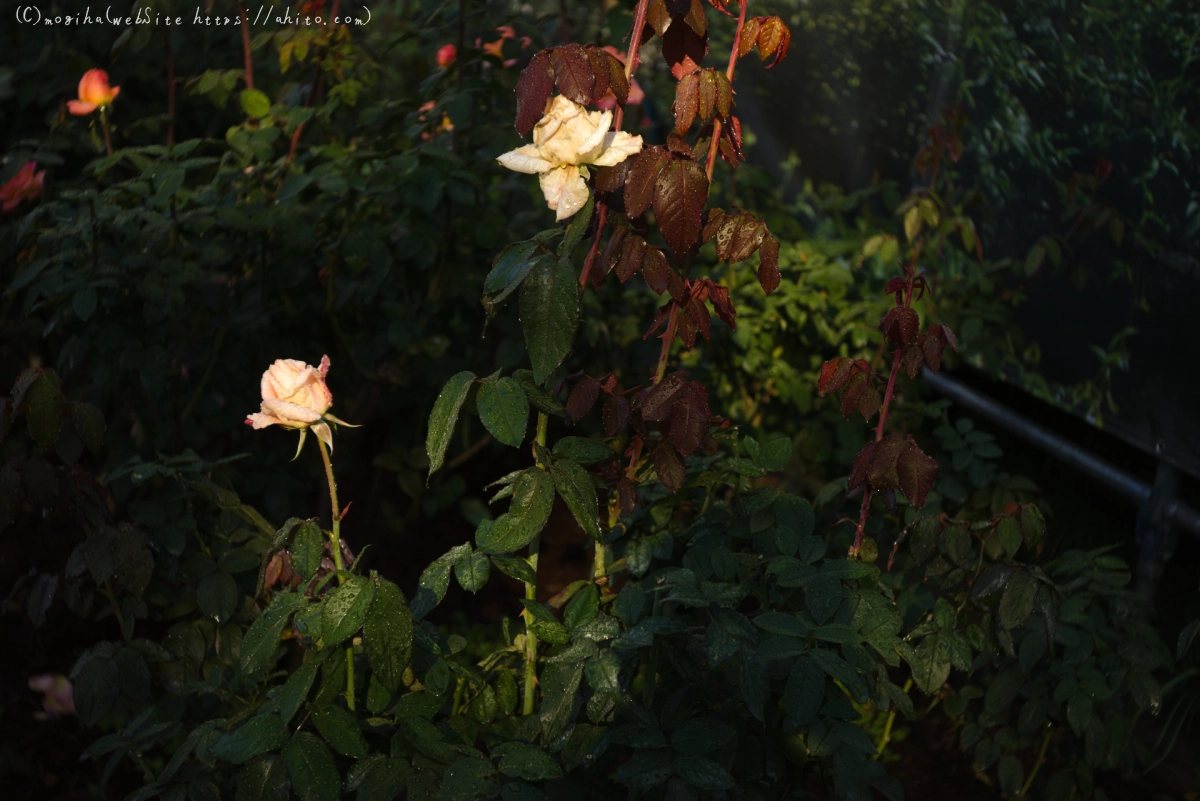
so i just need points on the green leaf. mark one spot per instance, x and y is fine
(379, 778)
(89, 425)
(388, 634)
(577, 228)
(339, 727)
(1186, 637)
(260, 734)
(506, 693)
(444, 417)
(83, 303)
(542, 400)
(703, 773)
(823, 595)
(314, 775)
(262, 638)
(217, 595)
(1079, 712)
(523, 761)
(255, 103)
(559, 682)
(472, 571)
(1011, 775)
(549, 315)
(504, 410)
(575, 486)
(541, 621)
(468, 779)
(516, 567)
(582, 607)
(582, 450)
(96, 685)
(532, 500)
(775, 454)
(1010, 534)
(509, 269)
(263, 779)
(1016, 605)
(345, 609)
(295, 690)
(44, 404)
(803, 692)
(645, 769)
(308, 547)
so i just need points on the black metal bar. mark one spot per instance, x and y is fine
(1111, 476)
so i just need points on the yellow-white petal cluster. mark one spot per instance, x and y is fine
(565, 140)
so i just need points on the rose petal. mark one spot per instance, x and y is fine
(618, 146)
(79, 108)
(260, 420)
(292, 415)
(525, 159)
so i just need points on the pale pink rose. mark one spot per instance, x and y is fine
(59, 700)
(94, 93)
(25, 185)
(295, 396)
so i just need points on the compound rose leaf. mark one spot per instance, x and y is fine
(719, 298)
(669, 468)
(615, 414)
(655, 401)
(749, 36)
(862, 462)
(689, 419)
(612, 251)
(533, 90)
(683, 49)
(713, 219)
(853, 393)
(834, 375)
(881, 471)
(747, 237)
(656, 271)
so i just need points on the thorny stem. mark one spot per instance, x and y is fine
(733, 56)
(246, 58)
(336, 541)
(104, 127)
(531, 595)
(1036, 765)
(887, 729)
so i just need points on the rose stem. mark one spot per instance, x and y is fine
(336, 541)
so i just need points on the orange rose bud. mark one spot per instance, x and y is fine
(94, 93)
(446, 55)
(25, 185)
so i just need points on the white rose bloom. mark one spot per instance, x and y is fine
(564, 140)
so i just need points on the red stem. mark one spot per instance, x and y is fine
(667, 338)
(601, 219)
(733, 56)
(246, 47)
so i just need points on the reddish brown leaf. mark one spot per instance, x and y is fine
(744, 238)
(685, 330)
(533, 90)
(657, 16)
(749, 37)
(699, 314)
(768, 264)
(612, 252)
(718, 296)
(686, 96)
(641, 179)
(916, 473)
(774, 39)
(870, 402)
(690, 418)
(931, 349)
(853, 393)
(695, 18)
(633, 252)
(679, 197)
(720, 5)
(912, 360)
(834, 375)
(669, 468)
(608, 383)
(615, 414)
(881, 472)
(944, 333)
(627, 497)
(713, 220)
(707, 93)
(610, 75)
(895, 285)
(731, 135)
(900, 324)
(573, 73)
(862, 463)
(677, 8)
(582, 398)
(676, 287)
(683, 49)
(660, 318)
(273, 570)
(656, 271)
(654, 402)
